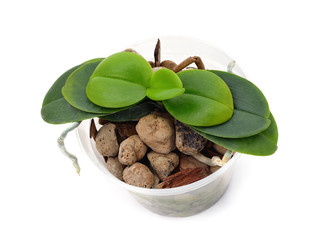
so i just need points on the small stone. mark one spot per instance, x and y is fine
(138, 175)
(106, 140)
(187, 140)
(131, 150)
(187, 161)
(163, 164)
(214, 168)
(157, 131)
(115, 167)
(168, 64)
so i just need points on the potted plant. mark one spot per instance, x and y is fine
(211, 115)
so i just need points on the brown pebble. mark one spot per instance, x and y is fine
(131, 150)
(214, 169)
(106, 140)
(187, 161)
(163, 164)
(157, 131)
(168, 64)
(187, 140)
(115, 167)
(138, 175)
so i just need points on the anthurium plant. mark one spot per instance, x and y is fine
(222, 107)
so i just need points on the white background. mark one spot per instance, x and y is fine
(282, 46)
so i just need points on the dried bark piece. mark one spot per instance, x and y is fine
(125, 130)
(220, 149)
(92, 130)
(187, 140)
(103, 121)
(183, 177)
(152, 64)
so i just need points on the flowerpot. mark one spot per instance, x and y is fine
(192, 198)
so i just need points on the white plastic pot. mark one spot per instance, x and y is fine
(198, 196)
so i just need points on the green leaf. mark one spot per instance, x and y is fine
(165, 84)
(74, 90)
(60, 111)
(261, 144)
(247, 97)
(54, 92)
(241, 124)
(133, 113)
(251, 110)
(120, 80)
(55, 109)
(206, 101)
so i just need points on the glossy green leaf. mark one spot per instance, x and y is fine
(247, 97)
(60, 111)
(133, 113)
(241, 124)
(54, 92)
(165, 84)
(261, 144)
(55, 109)
(120, 80)
(251, 110)
(74, 90)
(207, 100)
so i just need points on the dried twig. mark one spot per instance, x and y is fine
(197, 60)
(92, 130)
(157, 54)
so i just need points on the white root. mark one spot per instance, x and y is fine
(230, 66)
(227, 156)
(60, 142)
(215, 160)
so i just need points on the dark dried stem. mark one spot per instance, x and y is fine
(157, 54)
(92, 130)
(185, 63)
